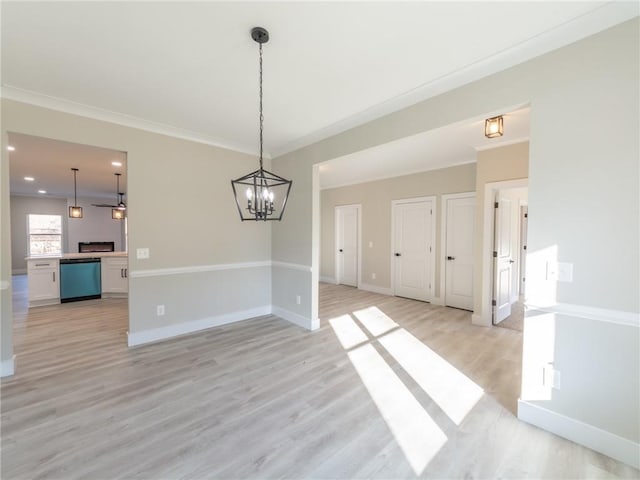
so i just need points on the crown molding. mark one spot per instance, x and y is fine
(95, 113)
(591, 23)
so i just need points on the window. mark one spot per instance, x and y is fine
(45, 234)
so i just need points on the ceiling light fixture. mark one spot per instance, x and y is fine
(29, 179)
(42, 191)
(494, 127)
(116, 164)
(75, 211)
(117, 213)
(266, 193)
(11, 148)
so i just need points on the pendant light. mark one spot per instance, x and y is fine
(75, 211)
(117, 213)
(265, 193)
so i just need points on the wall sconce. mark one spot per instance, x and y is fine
(493, 127)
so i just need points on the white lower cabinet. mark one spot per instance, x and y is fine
(115, 276)
(44, 282)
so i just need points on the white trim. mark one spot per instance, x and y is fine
(7, 367)
(296, 318)
(358, 208)
(581, 433)
(4, 285)
(437, 301)
(443, 240)
(505, 143)
(171, 331)
(618, 317)
(434, 225)
(158, 272)
(483, 317)
(331, 280)
(376, 289)
(595, 20)
(88, 111)
(291, 266)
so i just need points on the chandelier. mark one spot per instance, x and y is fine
(261, 195)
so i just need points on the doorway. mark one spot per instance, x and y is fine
(509, 250)
(413, 248)
(348, 221)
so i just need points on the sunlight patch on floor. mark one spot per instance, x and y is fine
(347, 331)
(376, 321)
(453, 391)
(417, 434)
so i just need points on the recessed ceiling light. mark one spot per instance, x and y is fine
(11, 148)
(116, 164)
(29, 179)
(42, 191)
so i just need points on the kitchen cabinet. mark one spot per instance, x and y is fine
(115, 277)
(44, 281)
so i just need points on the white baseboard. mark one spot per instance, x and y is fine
(581, 433)
(375, 289)
(296, 318)
(7, 367)
(170, 331)
(331, 280)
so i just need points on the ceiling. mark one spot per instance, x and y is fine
(189, 69)
(49, 162)
(454, 144)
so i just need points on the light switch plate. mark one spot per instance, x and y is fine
(142, 253)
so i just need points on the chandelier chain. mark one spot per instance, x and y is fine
(261, 115)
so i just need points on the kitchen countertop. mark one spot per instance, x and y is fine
(80, 255)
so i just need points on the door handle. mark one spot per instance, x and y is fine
(126, 272)
(340, 250)
(511, 261)
(54, 277)
(398, 254)
(122, 273)
(451, 258)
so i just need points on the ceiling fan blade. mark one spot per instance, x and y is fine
(103, 205)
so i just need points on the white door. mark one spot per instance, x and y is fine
(347, 245)
(413, 255)
(461, 214)
(503, 258)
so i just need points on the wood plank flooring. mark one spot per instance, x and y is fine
(266, 399)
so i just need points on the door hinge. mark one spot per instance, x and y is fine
(429, 249)
(495, 205)
(430, 212)
(526, 215)
(524, 247)
(493, 303)
(495, 254)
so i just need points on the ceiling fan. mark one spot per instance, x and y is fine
(120, 203)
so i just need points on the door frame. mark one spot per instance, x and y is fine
(443, 240)
(484, 316)
(358, 208)
(432, 254)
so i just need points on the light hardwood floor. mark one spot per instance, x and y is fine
(266, 399)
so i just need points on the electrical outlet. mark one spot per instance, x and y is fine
(160, 310)
(298, 300)
(142, 253)
(373, 276)
(370, 244)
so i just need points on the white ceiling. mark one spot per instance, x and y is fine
(49, 162)
(190, 68)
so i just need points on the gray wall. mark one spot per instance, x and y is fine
(375, 198)
(96, 225)
(179, 206)
(583, 195)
